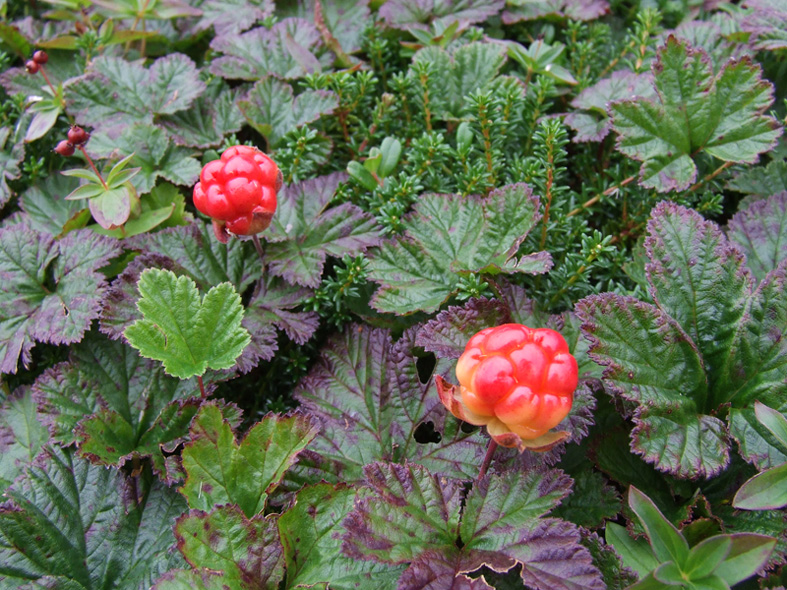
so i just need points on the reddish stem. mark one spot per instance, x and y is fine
(201, 387)
(256, 241)
(93, 166)
(43, 73)
(487, 459)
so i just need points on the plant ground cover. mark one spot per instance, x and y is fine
(177, 412)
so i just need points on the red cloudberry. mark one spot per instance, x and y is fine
(517, 381)
(238, 191)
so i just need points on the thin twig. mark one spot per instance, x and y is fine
(93, 166)
(202, 393)
(487, 459)
(597, 198)
(257, 246)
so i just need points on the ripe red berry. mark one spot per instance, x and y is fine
(238, 191)
(77, 136)
(515, 379)
(64, 148)
(40, 57)
(31, 67)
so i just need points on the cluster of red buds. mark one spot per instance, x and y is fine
(39, 59)
(77, 137)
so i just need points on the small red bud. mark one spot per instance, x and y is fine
(77, 136)
(64, 148)
(40, 57)
(31, 67)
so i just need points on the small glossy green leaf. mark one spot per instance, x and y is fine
(749, 552)
(647, 583)
(86, 191)
(669, 574)
(139, 225)
(187, 333)
(391, 150)
(706, 556)
(668, 544)
(363, 176)
(43, 121)
(372, 163)
(712, 582)
(82, 173)
(112, 207)
(636, 553)
(773, 420)
(765, 491)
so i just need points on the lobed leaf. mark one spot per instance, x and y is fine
(68, 518)
(761, 231)
(695, 111)
(309, 531)
(305, 230)
(761, 181)
(447, 236)
(767, 22)
(230, 17)
(345, 20)
(22, 436)
(420, 14)
(52, 290)
(187, 333)
(115, 93)
(221, 471)
(287, 50)
(271, 109)
(246, 550)
(519, 10)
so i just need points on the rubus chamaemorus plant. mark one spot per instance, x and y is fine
(348, 294)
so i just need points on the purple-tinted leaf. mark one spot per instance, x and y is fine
(310, 531)
(406, 498)
(31, 308)
(501, 505)
(519, 10)
(761, 231)
(523, 309)
(695, 111)
(261, 52)
(305, 230)
(420, 14)
(756, 367)
(230, 17)
(436, 570)
(419, 270)
(593, 500)
(115, 92)
(191, 580)
(344, 19)
(206, 260)
(761, 181)
(590, 120)
(247, 551)
(271, 108)
(45, 207)
(651, 361)
(448, 333)
(115, 405)
(708, 36)
(772, 523)
(366, 393)
(22, 436)
(152, 153)
(111, 208)
(12, 153)
(767, 22)
(69, 518)
(698, 278)
(222, 471)
(212, 116)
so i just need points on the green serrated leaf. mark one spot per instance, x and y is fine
(448, 235)
(192, 580)
(221, 471)
(45, 207)
(308, 533)
(760, 229)
(694, 112)
(12, 152)
(187, 333)
(636, 553)
(246, 551)
(667, 543)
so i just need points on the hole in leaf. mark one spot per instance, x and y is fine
(425, 433)
(425, 366)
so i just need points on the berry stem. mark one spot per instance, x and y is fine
(201, 387)
(93, 166)
(43, 73)
(487, 459)
(256, 240)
